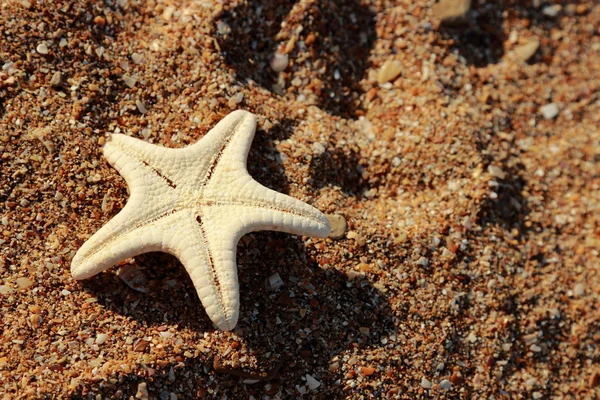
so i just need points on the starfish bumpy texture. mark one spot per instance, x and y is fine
(194, 203)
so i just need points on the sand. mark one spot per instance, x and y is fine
(463, 157)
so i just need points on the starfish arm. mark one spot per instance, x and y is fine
(260, 208)
(208, 254)
(134, 158)
(124, 236)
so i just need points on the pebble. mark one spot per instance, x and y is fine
(142, 391)
(425, 383)
(279, 62)
(549, 111)
(450, 11)
(56, 79)
(524, 52)
(338, 226)
(423, 262)
(133, 277)
(6, 290)
(318, 148)
(275, 281)
(101, 338)
(42, 48)
(129, 81)
(551, 11)
(137, 58)
(579, 290)
(141, 107)
(389, 71)
(446, 384)
(367, 371)
(496, 172)
(223, 28)
(24, 283)
(312, 382)
(472, 338)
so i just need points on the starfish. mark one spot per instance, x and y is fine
(194, 203)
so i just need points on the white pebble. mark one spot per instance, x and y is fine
(471, 338)
(101, 338)
(425, 383)
(6, 290)
(496, 172)
(279, 62)
(318, 148)
(42, 48)
(579, 290)
(129, 81)
(141, 107)
(137, 58)
(24, 283)
(549, 111)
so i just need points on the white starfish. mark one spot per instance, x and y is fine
(194, 203)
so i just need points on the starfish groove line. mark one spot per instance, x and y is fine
(194, 203)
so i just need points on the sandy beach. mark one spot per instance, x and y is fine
(455, 147)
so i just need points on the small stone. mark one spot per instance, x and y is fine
(472, 338)
(496, 172)
(551, 10)
(537, 395)
(318, 148)
(223, 28)
(275, 281)
(524, 52)
(312, 382)
(142, 391)
(279, 62)
(389, 71)
(99, 20)
(549, 111)
(101, 338)
(423, 262)
(579, 290)
(6, 290)
(425, 383)
(446, 384)
(338, 226)
(129, 81)
(451, 11)
(334, 366)
(133, 277)
(367, 371)
(535, 348)
(137, 58)
(456, 378)
(24, 283)
(141, 107)
(42, 48)
(56, 79)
